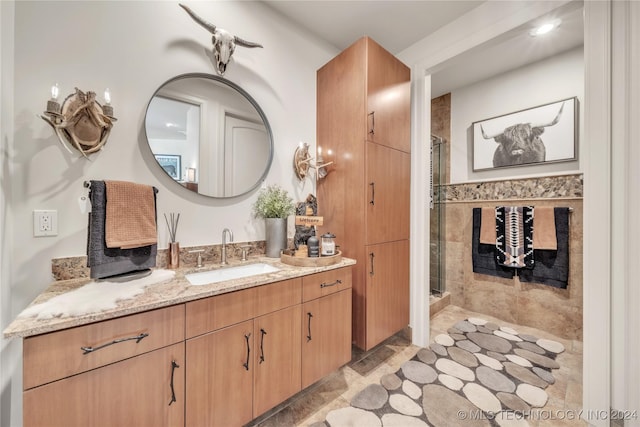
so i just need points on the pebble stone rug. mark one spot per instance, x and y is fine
(478, 374)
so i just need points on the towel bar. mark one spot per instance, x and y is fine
(87, 184)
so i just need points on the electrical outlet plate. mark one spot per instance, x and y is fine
(45, 223)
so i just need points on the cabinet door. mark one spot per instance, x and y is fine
(134, 392)
(220, 377)
(326, 335)
(388, 197)
(276, 358)
(388, 99)
(387, 290)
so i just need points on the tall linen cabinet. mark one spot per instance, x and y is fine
(363, 126)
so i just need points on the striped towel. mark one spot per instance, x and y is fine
(514, 236)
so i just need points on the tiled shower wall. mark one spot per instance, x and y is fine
(558, 311)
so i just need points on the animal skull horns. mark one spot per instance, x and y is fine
(224, 44)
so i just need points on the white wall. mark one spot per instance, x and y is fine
(132, 48)
(9, 354)
(550, 80)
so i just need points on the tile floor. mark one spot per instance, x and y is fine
(336, 390)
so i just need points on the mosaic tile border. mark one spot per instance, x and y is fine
(548, 187)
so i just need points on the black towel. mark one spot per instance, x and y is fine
(552, 267)
(106, 262)
(483, 255)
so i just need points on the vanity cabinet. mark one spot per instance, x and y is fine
(276, 358)
(237, 371)
(125, 371)
(220, 377)
(219, 360)
(326, 323)
(388, 174)
(363, 126)
(387, 289)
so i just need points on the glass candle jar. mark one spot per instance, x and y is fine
(328, 245)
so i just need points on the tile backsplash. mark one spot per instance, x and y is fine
(76, 267)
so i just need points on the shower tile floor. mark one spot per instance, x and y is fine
(336, 390)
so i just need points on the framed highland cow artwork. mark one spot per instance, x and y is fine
(543, 134)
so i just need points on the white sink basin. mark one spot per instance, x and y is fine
(230, 273)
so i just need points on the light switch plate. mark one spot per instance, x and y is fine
(45, 223)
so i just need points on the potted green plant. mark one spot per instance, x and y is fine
(274, 205)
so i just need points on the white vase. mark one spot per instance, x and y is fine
(276, 236)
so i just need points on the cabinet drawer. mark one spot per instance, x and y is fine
(57, 355)
(325, 283)
(135, 392)
(279, 295)
(220, 311)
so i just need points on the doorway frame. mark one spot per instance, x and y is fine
(597, 172)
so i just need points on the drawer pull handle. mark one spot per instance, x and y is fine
(263, 333)
(326, 285)
(373, 122)
(309, 326)
(137, 338)
(174, 365)
(246, 364)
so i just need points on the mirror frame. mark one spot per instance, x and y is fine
(242, 92)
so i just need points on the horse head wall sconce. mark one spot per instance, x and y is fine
(224, 43)
(81, 120)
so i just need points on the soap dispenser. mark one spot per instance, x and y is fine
(313, 246)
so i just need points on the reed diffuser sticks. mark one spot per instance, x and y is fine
(172, 225)
(173, 260)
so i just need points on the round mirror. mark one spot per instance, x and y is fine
(209, 135)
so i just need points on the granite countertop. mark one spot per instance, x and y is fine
(175, 291)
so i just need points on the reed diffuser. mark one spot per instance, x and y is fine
(172, 221)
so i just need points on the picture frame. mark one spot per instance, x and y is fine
(538, 135)
(172, 164)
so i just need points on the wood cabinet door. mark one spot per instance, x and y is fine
(276, 358)
(326, 335)
(388, 99)
(138, 391)
(220, 377)
(387, 290)
(388, 198)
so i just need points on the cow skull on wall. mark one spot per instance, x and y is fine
(224, 43)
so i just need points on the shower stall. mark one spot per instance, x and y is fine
(437, 229)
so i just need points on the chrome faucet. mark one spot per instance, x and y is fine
(226, 231)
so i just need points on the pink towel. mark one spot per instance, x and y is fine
(130, 220)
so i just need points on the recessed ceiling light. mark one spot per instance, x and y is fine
(545, 28)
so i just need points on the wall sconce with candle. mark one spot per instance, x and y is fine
(80, 120)
(302, 162)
